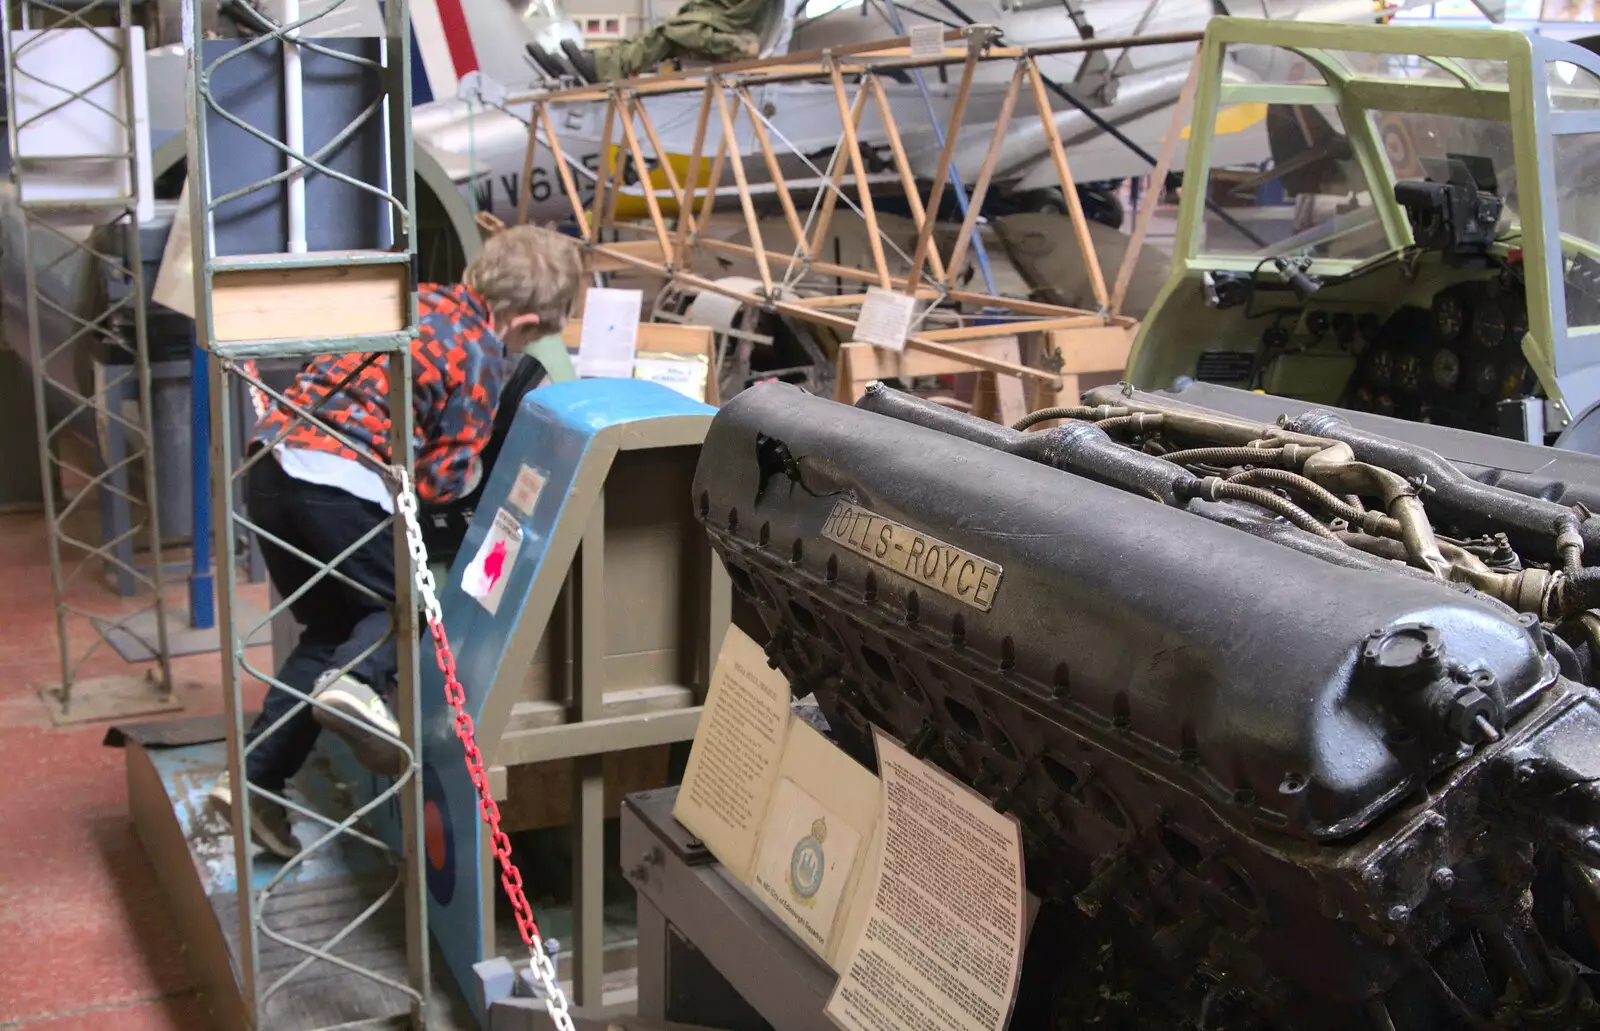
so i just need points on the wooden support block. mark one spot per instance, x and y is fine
(867, 363)
(540, 795)
(309, 303)
(1098, 349)
(1001, 398)
(673, 337)
(529, 715)
(1011, 402)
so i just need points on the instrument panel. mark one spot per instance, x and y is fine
(1450, 361)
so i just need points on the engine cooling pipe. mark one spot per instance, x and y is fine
(1329, 462)
(1531, 523)
(897, 404)
(1075, 447)
(1528, 590)
(1338, 553)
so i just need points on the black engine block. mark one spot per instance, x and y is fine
(1268, 776)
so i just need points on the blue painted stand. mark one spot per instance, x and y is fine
(560, 430)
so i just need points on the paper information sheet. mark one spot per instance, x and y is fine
(610, 335)
(734, 759)
(807, 854)
(927, 40)
(940, 945)
(885, 319)
(685, 375)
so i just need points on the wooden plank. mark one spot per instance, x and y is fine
(601, 261)
(980, 189)
(1011, 402)
(830, 193)
(780, 184)
(841, 300)
(1103, 349)
(1002, 329)
(941, 175)
(676, 337)
(324, 995)
(588, 785)
(805, 58)
(829, 301)
(918, 343)
(1158, 180)
(1015, 304)
(603, 172)
(525, 185)
(713, 181)
(686, 207)
(661, 154)
(309, 303)
(651, 203)
(902, 164)
(852, 145)
(856, 56)
(1069, 187)
(868, 363)
(825, 268)
(189, 908)
(567, 182)
(751, 222)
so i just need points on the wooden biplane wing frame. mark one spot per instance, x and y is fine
(946, 316)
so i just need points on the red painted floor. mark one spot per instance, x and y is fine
(85, 938)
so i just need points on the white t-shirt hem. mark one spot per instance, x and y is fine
(329, 470)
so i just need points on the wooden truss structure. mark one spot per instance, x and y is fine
(951, 325)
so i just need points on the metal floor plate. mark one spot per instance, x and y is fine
(313, 903)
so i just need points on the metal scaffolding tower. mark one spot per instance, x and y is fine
(275, 296)
(79, 144)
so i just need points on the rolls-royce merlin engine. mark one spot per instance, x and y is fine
(1296, 716)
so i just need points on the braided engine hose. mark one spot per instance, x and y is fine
(1214, 488)
(1092, 413)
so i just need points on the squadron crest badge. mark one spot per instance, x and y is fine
(806, 864)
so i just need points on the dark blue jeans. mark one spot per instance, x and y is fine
(339, 622)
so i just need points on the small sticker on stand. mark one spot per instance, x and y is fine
(927, 40)
(525, 492)
(485, 578)
(885, 319)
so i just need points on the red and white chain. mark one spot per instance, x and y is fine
(510, 877)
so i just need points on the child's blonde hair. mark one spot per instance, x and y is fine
(528, 270)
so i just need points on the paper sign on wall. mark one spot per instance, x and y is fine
(686, 375)
(485, 578)
(927, 40)
(885, 319)
(610, 335)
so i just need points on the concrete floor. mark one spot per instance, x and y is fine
(85, 938)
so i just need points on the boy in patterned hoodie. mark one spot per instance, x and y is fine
(314, 496)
